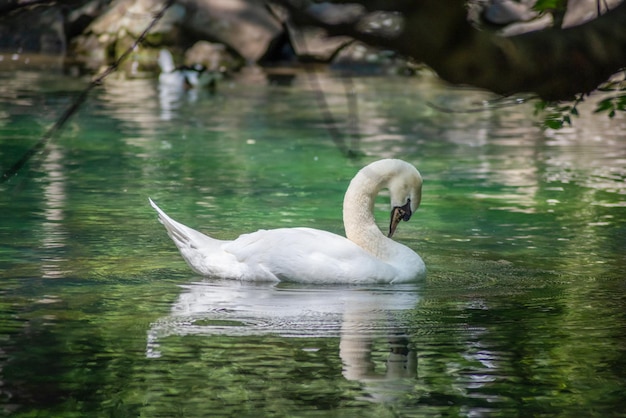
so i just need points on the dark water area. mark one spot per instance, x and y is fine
(523, 231)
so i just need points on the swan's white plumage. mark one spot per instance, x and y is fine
(183, 77)
(314, 256)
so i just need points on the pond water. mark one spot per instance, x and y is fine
(523, 231)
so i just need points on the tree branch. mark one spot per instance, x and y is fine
(10, 6)
(556, 64)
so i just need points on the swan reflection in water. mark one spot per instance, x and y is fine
(358, 316)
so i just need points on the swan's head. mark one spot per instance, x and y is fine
(402, 180)
(405, 190)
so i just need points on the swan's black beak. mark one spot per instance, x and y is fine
(399, 213)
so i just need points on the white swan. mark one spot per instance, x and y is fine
(314, 256)
(187, 77)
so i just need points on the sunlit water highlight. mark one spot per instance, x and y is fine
(522, 230)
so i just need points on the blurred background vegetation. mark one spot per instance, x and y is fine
(559, 52)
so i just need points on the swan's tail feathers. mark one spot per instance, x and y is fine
(187, 240)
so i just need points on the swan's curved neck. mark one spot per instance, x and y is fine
(358, 210)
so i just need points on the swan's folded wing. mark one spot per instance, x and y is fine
(308, 255)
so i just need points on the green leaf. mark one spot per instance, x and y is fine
(545, 5)
(605, 104)
(553, 123)
(540, 106)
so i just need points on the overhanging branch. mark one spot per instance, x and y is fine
(556, 64)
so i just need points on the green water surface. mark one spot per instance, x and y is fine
(523, 231)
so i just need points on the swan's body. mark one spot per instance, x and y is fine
(186, 76)
(313, 256)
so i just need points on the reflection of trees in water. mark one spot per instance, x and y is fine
(557, 328)
(520, 341)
